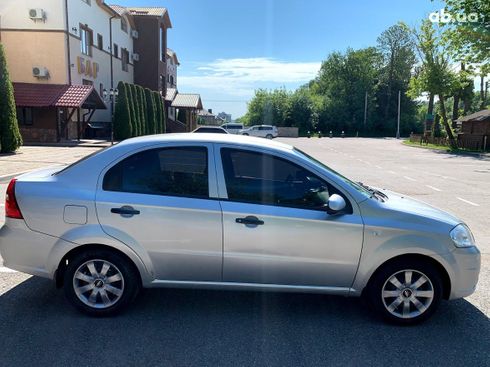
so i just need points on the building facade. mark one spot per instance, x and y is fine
(87, 43)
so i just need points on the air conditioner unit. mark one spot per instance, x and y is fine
(40, 72)
(36, 14)
(136, 57)
(134, 33)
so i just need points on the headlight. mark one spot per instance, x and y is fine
(462, 236)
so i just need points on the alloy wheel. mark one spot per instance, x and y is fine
(407, 293)
(98, 283)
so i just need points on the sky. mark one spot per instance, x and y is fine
(229, 48)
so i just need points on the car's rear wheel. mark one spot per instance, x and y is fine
(245, 134)
(405, 292)
(268, 136)
(100, 282)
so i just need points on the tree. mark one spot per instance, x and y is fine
(10, 138)
(301, 111)
(151, 113)
(122, 114)
(143, 112)
(435, 76)
(133, 108)
(468, 36)
(160, 112)
(396, 46)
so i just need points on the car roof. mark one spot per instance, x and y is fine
(204, 138)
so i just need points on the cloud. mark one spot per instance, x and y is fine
(240, 77)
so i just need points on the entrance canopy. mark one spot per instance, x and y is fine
(57, 95)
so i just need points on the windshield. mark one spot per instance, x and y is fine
(361, 188)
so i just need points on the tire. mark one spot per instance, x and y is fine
(245, 134)
(268, 136)
(388, 292)
(113, 278)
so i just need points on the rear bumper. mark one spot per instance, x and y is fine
(25, 250)
(464, 265)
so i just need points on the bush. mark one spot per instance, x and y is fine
(142, 110)
(133, 109)
(10, 138)
(122, 114)
(151, 112)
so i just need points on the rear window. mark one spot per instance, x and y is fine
(178, 171)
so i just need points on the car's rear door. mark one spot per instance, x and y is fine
(276, 230)
(159, 198)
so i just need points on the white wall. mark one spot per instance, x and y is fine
(97, 19)
(15, 14)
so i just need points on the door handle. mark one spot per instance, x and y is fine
(125, 211)
(250, 220)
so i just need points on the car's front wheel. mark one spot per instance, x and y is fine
(405, 292)
(100, 282)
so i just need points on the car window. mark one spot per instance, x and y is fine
(265, 128)
(178, 171)
(255, 177)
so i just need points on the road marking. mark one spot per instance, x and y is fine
(433, 188)
(409, 178)
(392, 172)
(467, 201)
(6, 270)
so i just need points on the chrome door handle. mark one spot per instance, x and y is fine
(250, 220)
(125, 211)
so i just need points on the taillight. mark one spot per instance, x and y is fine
(12, 209)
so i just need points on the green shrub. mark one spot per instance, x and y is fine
(10, 138)
(122, 114)
(151, 112)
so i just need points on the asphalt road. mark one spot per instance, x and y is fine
(218, 328)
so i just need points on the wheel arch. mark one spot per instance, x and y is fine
(63, 263)
(446, 280)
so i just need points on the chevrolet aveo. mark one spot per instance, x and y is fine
(230, 212)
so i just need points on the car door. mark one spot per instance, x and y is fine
(276, 228)
(158, 199)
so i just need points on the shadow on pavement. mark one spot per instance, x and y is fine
(214, 328)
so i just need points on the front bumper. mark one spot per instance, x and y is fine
(463, 265)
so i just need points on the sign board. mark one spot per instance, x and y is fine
(87, 67)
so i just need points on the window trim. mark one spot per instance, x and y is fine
(223, 192)
(212, 176)
(90, 33)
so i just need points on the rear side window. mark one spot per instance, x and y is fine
(265, 179)
(178, 171)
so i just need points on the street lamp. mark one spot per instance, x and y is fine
(111, 97)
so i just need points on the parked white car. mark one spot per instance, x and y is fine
(263, 131)
(232, 127)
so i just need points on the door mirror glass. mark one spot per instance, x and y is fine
(336, 203)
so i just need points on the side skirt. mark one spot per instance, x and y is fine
(342, 291)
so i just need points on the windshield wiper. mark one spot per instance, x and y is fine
(376, 193)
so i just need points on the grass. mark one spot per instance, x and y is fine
(439, 147)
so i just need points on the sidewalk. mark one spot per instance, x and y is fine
(28, 158)
(74, 143)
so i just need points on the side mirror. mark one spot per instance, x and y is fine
(336, 203)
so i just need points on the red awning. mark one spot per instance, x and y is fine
(57, 95)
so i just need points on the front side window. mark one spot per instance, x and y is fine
(259, 178)
(178, 171)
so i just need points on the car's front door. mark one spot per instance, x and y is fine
(276, 228)
(158, 199)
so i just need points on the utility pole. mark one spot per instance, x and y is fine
(398, 120)
(365, 109)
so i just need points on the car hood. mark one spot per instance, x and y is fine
(405, 204)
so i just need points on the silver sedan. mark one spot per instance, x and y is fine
(230, 212)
